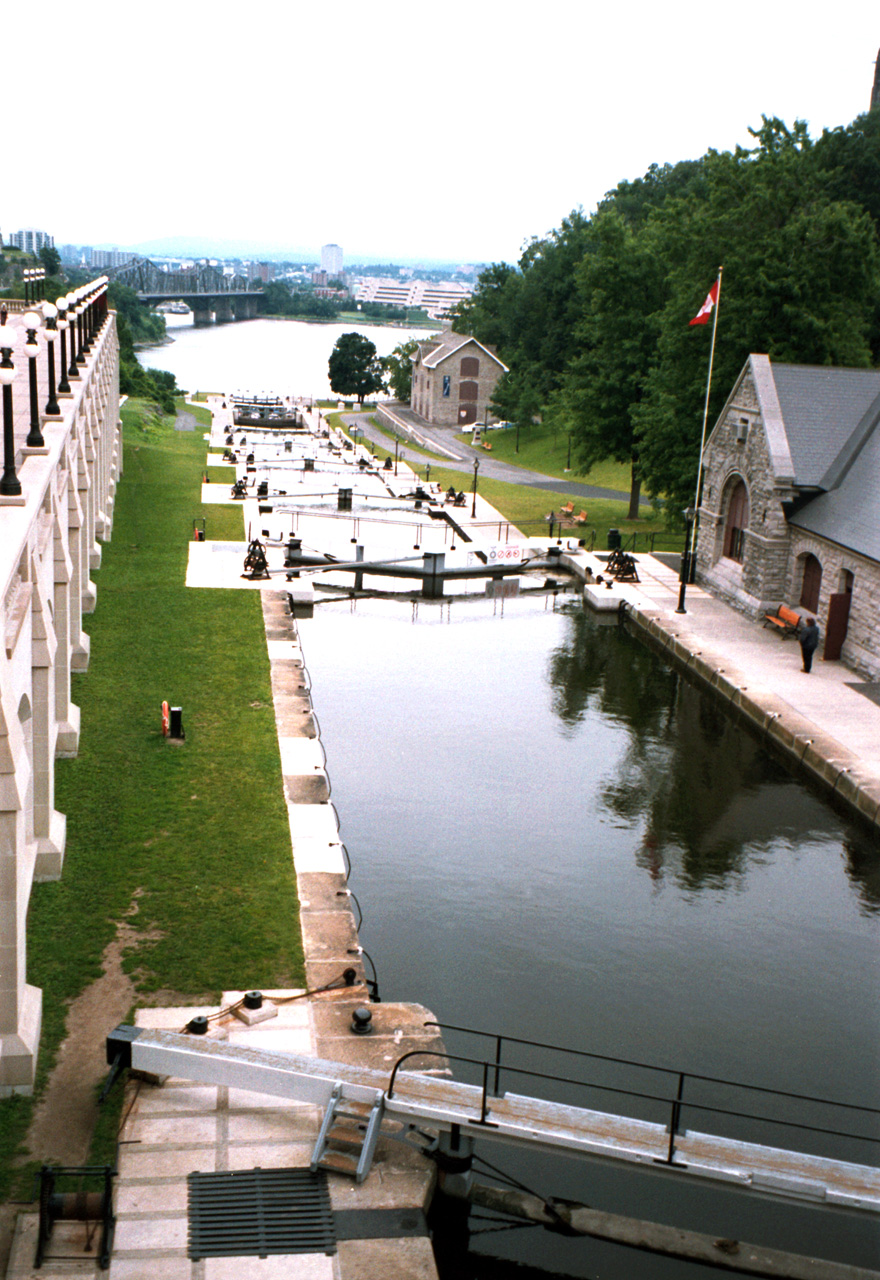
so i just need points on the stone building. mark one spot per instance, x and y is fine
(790, 506)
(56, 507)
(453, 379)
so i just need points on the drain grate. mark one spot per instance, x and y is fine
(258, 1212)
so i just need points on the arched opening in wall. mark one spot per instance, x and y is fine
(737, 522)
(838, 615)
(470, 367)
(811, 584)
(846, 582)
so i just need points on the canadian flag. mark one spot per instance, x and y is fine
(702, 316)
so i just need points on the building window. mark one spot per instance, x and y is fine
(470, 367)
(737, 523)
(467, 391)
(447, 383)
(812, 584)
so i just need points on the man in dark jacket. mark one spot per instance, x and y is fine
(809, 642)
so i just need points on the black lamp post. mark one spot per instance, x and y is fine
(50, 311)
(10, 485)
(517, 437)
(61, 304)
(72, 371)
(32, 350)
(474, 505)
(396, 443)
(568, 464)
(685, 573)
(80, 309)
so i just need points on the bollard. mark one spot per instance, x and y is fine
(175, 729)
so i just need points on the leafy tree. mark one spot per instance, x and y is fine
(398, 367)
(354, 367)
(51, 260)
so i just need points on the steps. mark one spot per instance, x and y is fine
(349, 1132)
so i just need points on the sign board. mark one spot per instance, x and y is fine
(501, 553)
(502, 588)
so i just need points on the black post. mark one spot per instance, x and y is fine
(474, 506)
(10, 485)
(32, 348)
(684, 575)
(80, 309)
(63, 384)
(517, 438)
(72, 370)
(568, 464)
(51, 332)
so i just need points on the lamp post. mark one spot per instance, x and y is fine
(685, 558)
(31, 321)
(396, 443)
(72, 370)
(474, 504)
(517, 437)
(50, 311)
(568, 464)
(61, 304)
(80, 308)
(10, 485)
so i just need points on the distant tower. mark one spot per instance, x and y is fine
(875, 94)
(331, 260)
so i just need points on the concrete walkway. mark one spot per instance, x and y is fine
(828, 721)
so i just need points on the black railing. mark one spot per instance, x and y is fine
(493, 1067)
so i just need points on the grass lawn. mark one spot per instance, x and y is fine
(527, 508)
(547, 452)
(197, 832)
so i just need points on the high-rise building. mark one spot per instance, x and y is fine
(31, 240)
(331, 259)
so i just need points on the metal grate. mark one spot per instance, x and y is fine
(258, 1212)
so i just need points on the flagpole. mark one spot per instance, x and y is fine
(691, 534)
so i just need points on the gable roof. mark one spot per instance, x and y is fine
(823, 434)
(433, 353)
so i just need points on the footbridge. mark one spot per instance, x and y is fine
(211, 294)
(463, 1113)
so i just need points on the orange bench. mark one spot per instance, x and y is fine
(786, 621)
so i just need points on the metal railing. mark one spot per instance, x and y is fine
(494, 1066)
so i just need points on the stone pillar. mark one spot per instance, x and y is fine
(202, 313)
(50, 827)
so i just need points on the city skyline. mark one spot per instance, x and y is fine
(454, 136)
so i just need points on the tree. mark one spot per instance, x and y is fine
(354, 367)
(398, 367)
(51, 260)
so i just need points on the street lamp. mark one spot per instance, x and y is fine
(10, 485)
(517, 436)
(568, 464)
(31, 321)
(474, 506)
(63, 324)
(685, 558)
(79, 309)
(72, 370)
(50, 311)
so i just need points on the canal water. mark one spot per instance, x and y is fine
(555, 836)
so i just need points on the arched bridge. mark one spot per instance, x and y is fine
(210, 293)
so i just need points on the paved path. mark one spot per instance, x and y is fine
(460, 457)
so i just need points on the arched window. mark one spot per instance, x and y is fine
(467, 391)
(470, 367)
(812, 584)
(737, 522)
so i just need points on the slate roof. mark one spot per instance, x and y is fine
(821, 407)
(831, 420)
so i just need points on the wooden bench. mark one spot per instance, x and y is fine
(786, 621)
(567, 510)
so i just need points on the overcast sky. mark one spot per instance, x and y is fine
(456, 130)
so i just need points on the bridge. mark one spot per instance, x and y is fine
(211, 294)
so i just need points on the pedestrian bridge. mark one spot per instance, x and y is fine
(472, 1112)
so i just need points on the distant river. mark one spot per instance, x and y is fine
(284, 357)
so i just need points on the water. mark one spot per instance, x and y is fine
(282, 357)
(553, 835)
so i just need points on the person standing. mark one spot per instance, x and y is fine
(809, 642)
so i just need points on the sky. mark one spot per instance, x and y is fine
(405, 132)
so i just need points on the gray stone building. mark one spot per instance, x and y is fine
(790, 506)
(453, 379)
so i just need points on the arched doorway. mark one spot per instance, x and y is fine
(812, 583)
(838, 616)
(737, 522)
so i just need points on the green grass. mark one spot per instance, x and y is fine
(197, 831)
(527, 508)
(547, 452)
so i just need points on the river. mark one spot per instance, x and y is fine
(281, 357)
(555, 836)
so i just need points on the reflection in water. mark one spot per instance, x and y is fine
(708, 797)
